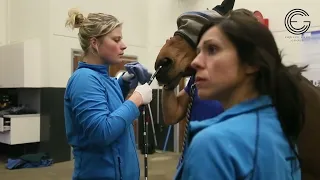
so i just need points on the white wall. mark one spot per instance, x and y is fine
(276, 15)
(168, 11)
(3, 21)
(46, 20)
(30, 19)
(147, 25)
(62, 40)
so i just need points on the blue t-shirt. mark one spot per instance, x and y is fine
(202, 109)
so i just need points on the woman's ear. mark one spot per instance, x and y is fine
(251, 69)
(94, 44)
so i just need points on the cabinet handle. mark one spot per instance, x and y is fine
(6, 121)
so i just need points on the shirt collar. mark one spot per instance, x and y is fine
(103, 69)
(241, 108)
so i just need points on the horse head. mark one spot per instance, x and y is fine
(178, 52)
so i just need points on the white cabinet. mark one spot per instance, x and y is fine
(21, 64)
(20, 129)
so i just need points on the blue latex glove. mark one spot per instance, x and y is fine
(140, 73)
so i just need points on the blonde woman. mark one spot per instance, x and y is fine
(98, 119)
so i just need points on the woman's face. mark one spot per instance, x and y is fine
(111, 46)
(218, 67)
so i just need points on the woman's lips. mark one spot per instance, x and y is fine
(200, 80)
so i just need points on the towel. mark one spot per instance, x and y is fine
(29, 161)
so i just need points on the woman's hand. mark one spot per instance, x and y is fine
(127, 76)
(136, 72)
(142, 95)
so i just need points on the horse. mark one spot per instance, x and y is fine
(178, 52)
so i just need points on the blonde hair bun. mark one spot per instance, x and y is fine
(93, 25)
(75, 18)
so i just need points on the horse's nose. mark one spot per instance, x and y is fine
(165, 63)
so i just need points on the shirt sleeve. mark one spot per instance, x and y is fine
(92, 111)
(208, 158)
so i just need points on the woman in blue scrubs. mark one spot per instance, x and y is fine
(98, 118)
(239, 64)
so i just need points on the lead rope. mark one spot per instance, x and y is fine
(186, 130)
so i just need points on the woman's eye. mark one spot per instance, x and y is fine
(117, 39)
(211, 50)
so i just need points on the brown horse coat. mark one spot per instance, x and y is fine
(309, 139)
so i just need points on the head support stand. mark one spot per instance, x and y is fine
(145, 130)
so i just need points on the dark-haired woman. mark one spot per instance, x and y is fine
(238, 64)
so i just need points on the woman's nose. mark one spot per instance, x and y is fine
(123, 46)
(196, 63)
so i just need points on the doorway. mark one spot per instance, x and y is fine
(76, 57)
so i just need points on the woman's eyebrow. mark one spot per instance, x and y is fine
(117, 37)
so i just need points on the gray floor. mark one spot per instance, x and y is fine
(162, 166)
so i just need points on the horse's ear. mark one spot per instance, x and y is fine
(225, 7)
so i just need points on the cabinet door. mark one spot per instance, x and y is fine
(12, 65)
(1, 68)
(31, 65)
(21, 64)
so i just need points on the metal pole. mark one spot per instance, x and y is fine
(145, 141)
(145, 130)
(152, 124)
(158, 106)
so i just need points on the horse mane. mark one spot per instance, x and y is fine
(297, 70)
(309, 138)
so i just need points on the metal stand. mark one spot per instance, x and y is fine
(145, 130)
(145, 142)
(152, 125)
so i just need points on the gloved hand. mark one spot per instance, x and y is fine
(127, 77)
(140, 73)
(146, 93)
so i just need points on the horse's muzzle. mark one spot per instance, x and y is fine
(162, 75)
(165, 63)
